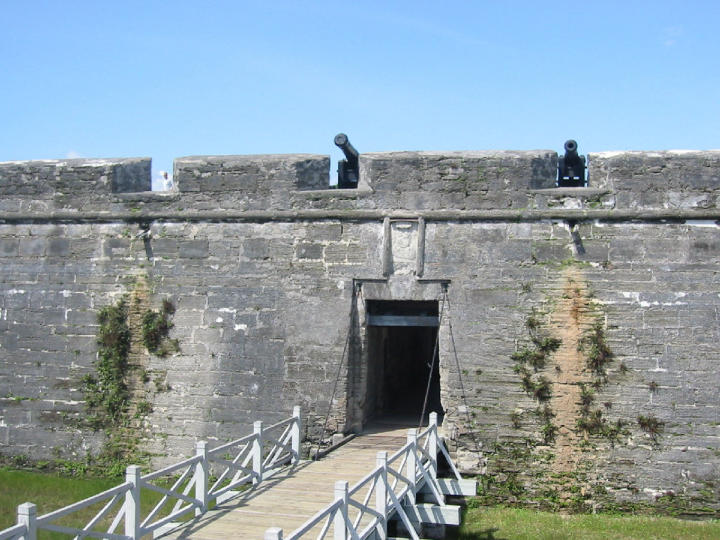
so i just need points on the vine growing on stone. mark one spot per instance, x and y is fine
(156, 327)
(106, 393)
(597, 357)
(529, 360)
(651, 425)
(597, 353)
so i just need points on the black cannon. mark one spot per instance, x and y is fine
(349, 168)
(571, 167)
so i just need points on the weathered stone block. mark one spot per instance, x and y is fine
(30, 247)
(9, 247)
(132, 175)
(308, 250)
(193, 249)
(58, 247)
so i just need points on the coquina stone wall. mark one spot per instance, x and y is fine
(269, 273)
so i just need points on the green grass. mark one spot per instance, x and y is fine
(499, 523)
(51, 491)
(48, 491)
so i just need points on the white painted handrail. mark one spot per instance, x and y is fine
(364, 509)
(247, 460)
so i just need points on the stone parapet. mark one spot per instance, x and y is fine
(460, 180)
(251, 182)
(413, 182)
(669, 179)
(42, 186)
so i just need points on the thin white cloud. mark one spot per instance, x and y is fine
(72, 154)
(671, 35)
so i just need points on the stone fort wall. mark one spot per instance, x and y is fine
(269, 272)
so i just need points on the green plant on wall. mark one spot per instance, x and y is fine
(108, 398)
(156, 327)
(529, 361)
(542, 346)
(548, 431)
(597, 357)
(597, 353)
(651, 425)
(106, 393)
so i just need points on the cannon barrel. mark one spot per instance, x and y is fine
(349, 168)
(571, 166)
(571, 154)
(342, 142)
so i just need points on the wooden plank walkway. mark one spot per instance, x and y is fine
(289, 499)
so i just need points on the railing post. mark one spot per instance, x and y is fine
(381, 494)
(296, 430)
(27, 515)
(201, 477)
(132, 503)
(411, 464)
(433, 444)
(273, 533)
(340, 519)
(257, 447)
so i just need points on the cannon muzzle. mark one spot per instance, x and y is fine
(348, 168)
(570, 148)
(571, 166)
(342, 142)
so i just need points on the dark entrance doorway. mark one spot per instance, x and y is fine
(402, 341)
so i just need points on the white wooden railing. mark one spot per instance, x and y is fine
(245, 462)
(363, 510)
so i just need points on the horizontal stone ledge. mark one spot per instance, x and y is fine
(334, 193)
(366, 215)
(571, 191)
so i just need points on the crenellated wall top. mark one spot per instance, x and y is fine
(469, 181)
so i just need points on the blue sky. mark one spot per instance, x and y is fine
(168, 79)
